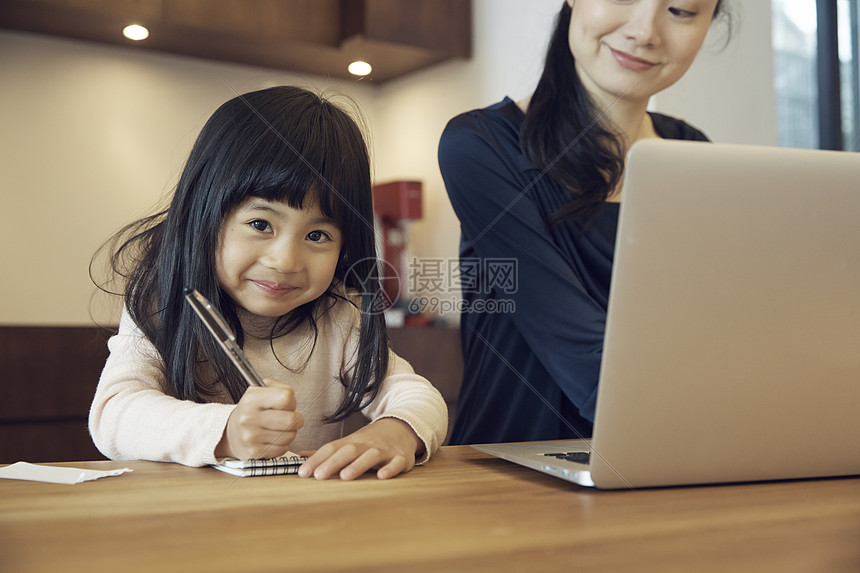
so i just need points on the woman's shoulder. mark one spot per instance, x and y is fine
(487, 137)
(669, 127)
(503, 117)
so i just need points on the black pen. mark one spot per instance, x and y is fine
(222, 333)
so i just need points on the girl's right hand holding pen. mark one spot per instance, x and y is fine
(263, 424)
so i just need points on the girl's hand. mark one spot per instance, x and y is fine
(263, 424)
(387, 444)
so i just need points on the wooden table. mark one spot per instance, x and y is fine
(464, 511)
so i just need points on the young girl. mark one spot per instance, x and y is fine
(538, 182)
(272, 222)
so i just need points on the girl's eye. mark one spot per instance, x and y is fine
(318, 237)
(260, 225)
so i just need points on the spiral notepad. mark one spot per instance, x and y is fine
(287, 464)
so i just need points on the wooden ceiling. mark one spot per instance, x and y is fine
(318, 37)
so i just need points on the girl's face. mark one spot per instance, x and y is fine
(272, 258)
(643, 46)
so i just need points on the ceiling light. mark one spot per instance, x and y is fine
(135, 32)
(359, 68)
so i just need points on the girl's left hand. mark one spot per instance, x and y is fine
(388, 444)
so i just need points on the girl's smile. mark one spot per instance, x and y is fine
(272, 258)
(273, 288)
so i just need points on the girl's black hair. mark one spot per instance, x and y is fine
(563, 135)
(282, 144)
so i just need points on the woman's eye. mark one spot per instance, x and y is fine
(260, 225)
(318, 236)
(681, 13)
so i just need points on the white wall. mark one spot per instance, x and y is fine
(92, 136)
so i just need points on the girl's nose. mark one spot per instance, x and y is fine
(283, 256)
(642, 27)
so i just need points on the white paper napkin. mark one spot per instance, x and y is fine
(55, 474)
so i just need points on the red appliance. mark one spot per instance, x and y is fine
(394, 203)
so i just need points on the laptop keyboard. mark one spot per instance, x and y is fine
(577, 457)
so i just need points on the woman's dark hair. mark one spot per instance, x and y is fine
(562, 134)
(280, 144)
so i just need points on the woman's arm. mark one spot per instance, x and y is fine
(562, 323)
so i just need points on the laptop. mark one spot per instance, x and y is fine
(732, 347)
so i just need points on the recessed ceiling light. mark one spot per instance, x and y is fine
(359, 68)
(135, 32)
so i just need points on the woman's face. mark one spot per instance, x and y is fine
(632, 49)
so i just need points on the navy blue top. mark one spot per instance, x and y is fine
(534, 295)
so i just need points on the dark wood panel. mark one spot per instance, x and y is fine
(49, 372)
(319, 37)
(435, 353)
(47, 441)
(302, 21)
(48, 377)
(148, 9)
(441, 25)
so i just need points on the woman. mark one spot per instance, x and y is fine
(536, 185)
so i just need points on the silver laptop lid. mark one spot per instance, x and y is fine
(732, 347)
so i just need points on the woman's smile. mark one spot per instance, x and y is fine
(658, 39)
(631, 62)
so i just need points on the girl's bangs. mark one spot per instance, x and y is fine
(301, 189)
(300, 170)
(295, 184)
(301, 152)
